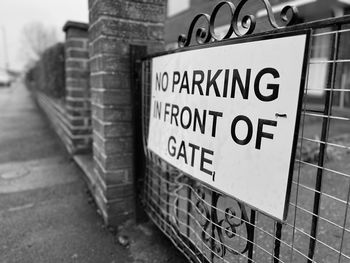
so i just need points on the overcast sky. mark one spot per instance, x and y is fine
(14, 14)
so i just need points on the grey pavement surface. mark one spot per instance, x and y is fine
(46, 214)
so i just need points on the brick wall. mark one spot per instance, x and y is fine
(77, 101)
(114, 26)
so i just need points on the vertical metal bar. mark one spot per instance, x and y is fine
(342, 93)
(167, 176)
(143, 105)
(159, 190)
(152, 185)
(189, 208)
(278, 236)
(344, 224)
(298, 177)
(321, 157)
(250, 236)
(214, 198)
(177, 206)
(136, 53)
(150, 160)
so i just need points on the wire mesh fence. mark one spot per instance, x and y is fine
(208, 226)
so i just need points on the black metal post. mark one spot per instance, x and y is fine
(214, 201)
(250, 236)
(278, 236)
(136, 53)
(322, 151)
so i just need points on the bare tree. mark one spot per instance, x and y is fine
(36, 37)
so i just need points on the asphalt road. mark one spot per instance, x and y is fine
(45, 215)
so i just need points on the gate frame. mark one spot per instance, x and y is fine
(336, 23)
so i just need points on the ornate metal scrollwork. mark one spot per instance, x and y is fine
(247, 22)
(217, 230)
(219, 227)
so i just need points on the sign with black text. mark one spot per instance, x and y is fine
(228, 116)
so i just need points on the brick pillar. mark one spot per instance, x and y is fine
(78, 107)
(114, 26)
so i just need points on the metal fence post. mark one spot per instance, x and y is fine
(136, 53)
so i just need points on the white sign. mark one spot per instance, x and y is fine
(228, 115)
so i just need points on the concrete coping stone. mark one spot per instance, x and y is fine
(77, 25)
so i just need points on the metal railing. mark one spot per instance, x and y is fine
(208, 226)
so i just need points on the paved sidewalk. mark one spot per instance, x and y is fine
(46, 214)
(44, 211)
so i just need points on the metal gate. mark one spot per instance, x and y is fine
(208, 226)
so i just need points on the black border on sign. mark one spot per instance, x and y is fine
(253, 38)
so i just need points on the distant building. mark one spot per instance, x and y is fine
(181, 13)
